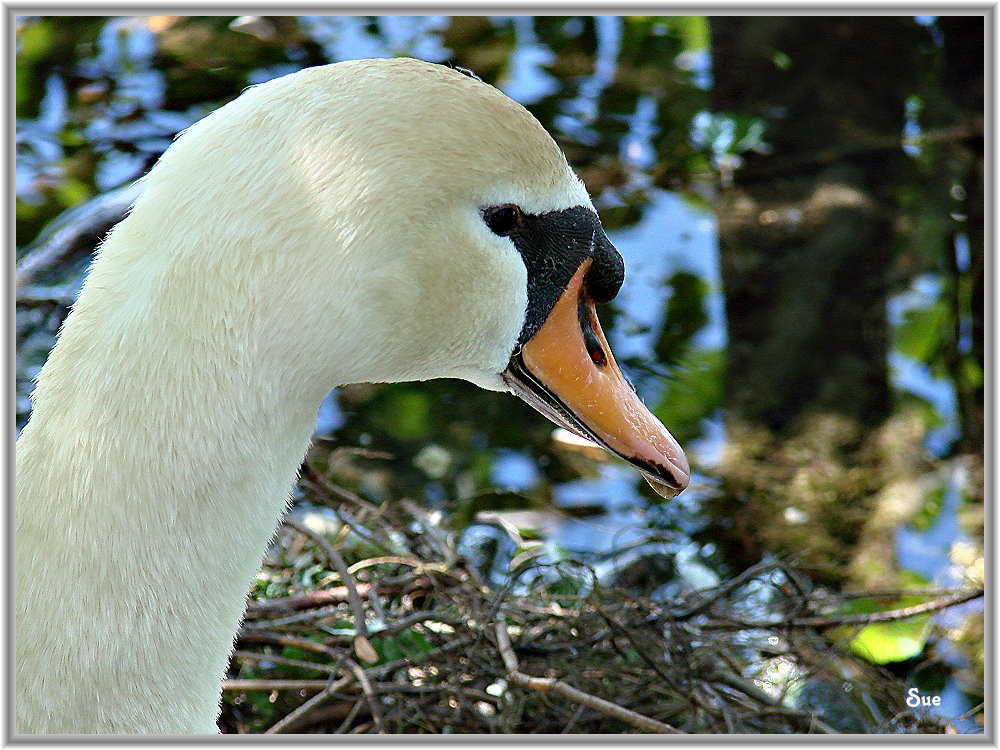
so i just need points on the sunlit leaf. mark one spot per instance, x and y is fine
(929, 509)
(686, 315)
(406, 414)
(886, 642)
(922, 332)
(695, 394)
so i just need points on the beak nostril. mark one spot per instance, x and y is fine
(587, 316)
(594, 348)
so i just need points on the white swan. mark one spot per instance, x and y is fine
(381, 220)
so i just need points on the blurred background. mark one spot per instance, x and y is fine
(799, 202)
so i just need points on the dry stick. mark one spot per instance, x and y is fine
(276, 659)
(284, 723)
(329, 689)
(902, 613)
(300, 617)
(362, 646)
(867, 619)
(552, 685)
(366, 686)
(64, 232)
(719, 592)
(283, 639)
(238, 685)
(324, 597)
(310, 475)
(305, 600)
(412, 562)
(349, 719)
(886, 593)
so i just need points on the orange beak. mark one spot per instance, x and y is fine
(567, 372)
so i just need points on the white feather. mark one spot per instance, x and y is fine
(321, 229)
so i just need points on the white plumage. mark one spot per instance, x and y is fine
(323, 228)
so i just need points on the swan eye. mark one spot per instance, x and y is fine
(502, 220)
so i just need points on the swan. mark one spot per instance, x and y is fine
(366, 221)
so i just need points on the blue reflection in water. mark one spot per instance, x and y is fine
(637, 146)
(528, 82)
(330, 416)
(514, 470)
(579, 114)
(916, 378)
(353, 38)
(672, 236)
(613, 488)
(927, 551)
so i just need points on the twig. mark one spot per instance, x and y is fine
(310, 475)
(312, 614)
(890, 615)
(36, 295)
(276, 659)
(349, 719)
(721, 591)
(292, 718)
(934, 605)
(412, 562)
(362, 646)
(305, 600)
(421, 616)
(552, 685)
(238, 685)
(366, 687)
(281, 639)
(63, 233)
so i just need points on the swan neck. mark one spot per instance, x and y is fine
(150, 478)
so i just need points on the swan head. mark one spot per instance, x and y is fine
(398, 221)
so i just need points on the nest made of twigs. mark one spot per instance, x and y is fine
(408, 638)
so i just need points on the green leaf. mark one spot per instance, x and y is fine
(886, 642)
(695, 394)
(686, 315)
(929, 510)
(693, 31)
(406, 413)
(922, 332)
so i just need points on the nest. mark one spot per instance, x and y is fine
(367, 619)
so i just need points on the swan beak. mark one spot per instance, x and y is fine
(567, 372)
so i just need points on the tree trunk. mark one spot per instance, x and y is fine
(807, 234)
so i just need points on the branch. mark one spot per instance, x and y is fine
(235, 685)
(305, 600)
(276, 659)
(88, 220)
(33, 295)
(293, 717)
(280, 639)
(362, 647)
(552, 685)
(719, 592)
(934, 605)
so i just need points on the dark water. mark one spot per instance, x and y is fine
(99, 99)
